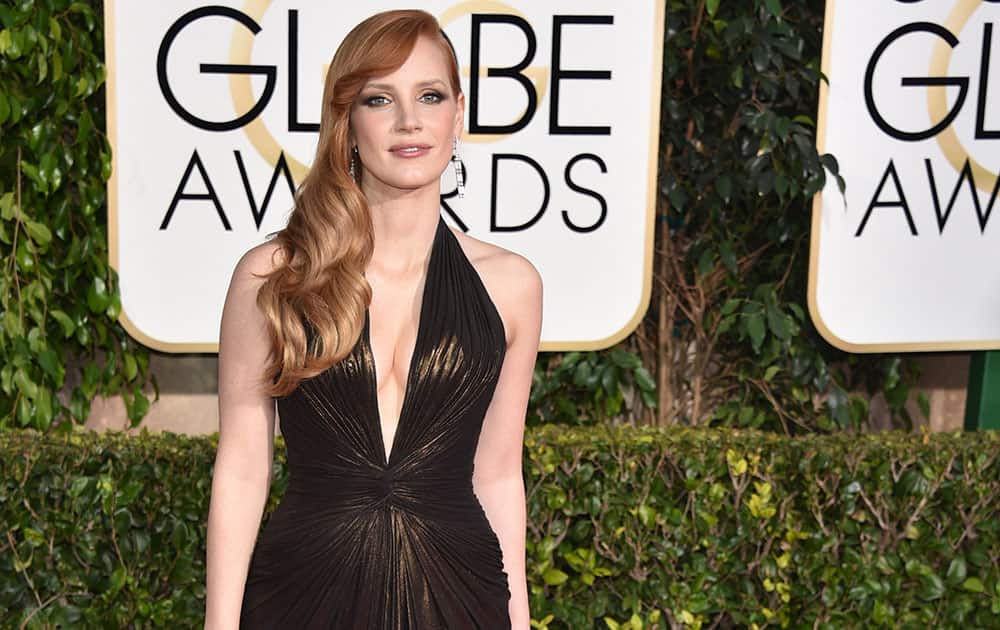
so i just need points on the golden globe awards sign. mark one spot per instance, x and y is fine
(213, 112)
(909, 258)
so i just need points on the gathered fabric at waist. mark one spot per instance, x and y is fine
(431, 494)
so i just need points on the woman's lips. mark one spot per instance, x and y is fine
(410, 150)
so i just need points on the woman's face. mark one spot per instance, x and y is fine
(404, 124)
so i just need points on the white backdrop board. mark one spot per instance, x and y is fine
(212, 116)
(909, 258)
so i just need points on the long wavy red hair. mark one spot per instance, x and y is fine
(318, 278)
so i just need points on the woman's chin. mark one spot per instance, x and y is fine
(408, 184)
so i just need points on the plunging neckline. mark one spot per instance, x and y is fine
(387, 459)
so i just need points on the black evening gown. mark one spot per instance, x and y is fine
(359, 541)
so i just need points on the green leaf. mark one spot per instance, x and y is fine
(711, 6)
(57, 66)
(777, 322)
(736, 76)
(932, 586)
(22, 564)
(774, 6)
(25, 384)
(755, 327)
(129, 492)
(649, 398)
(43, 67)
(25, 415)
(7, 206)
(131, 368)
(38, 232)
(68, 326)
(973, 585)
(15, 44)
(78, 486)
(49, 171)
(647, 515)
(830, 162)
(137, 407)
(33, 174)
(781, 127)
(554, 577)
(105, 166)
(55, 31)
(48, 359)
(43, 407)
(956, 571)
(625, 359)
(644, 379)
(34, 537)
(97, 296)
(117, 581)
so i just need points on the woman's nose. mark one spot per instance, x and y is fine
(407, 118)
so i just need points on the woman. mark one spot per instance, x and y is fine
(400, 354)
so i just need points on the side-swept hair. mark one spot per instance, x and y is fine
(328, 242)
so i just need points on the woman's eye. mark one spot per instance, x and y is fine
(376, 100)
(432, 97)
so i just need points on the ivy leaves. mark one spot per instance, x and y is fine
(60, 341)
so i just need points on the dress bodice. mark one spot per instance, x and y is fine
(365, 541)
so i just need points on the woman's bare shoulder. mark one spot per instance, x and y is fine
(512, 281)
(258, 261)
(244, 339)
(502, 265)
(248, 275)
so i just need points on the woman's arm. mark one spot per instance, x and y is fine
(241, 478)
(498, 481)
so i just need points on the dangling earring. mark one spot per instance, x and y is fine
(459, 171)
(354, 151)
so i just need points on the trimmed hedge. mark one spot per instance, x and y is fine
(628, 528)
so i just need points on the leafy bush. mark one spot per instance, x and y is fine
(583, 388)
(728, 330)
(686, 527)
(60, 300)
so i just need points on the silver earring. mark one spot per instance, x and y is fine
(459, 171)
(354, 151)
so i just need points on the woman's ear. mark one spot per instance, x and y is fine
(351, 140)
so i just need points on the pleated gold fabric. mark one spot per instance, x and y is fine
(359, 541)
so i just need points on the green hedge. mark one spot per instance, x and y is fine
(628, 528)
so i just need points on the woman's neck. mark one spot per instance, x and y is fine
(404, 228)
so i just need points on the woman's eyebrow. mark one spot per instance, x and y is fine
(388, 87)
